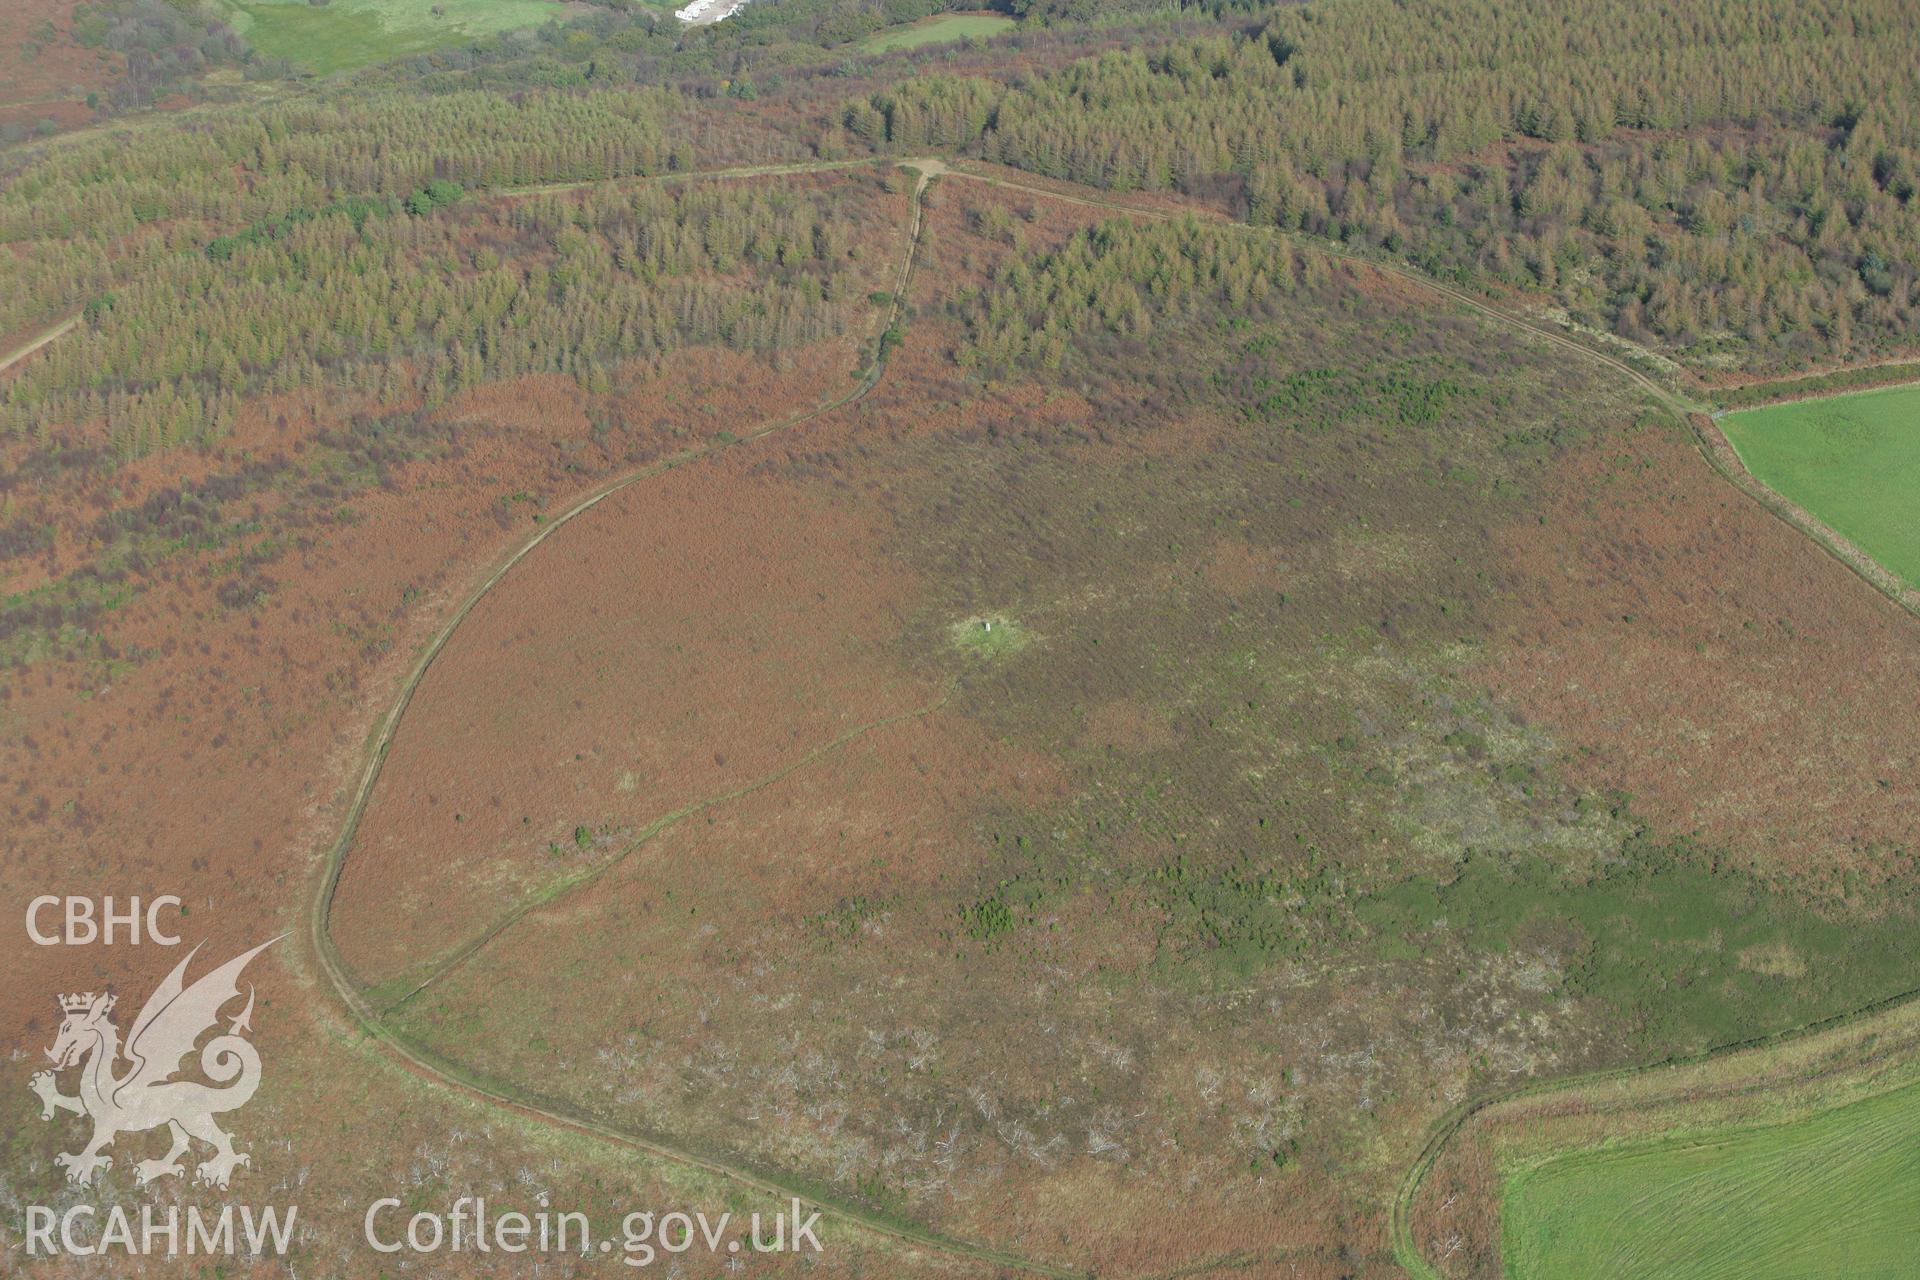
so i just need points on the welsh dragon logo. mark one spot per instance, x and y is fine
(146, 1095)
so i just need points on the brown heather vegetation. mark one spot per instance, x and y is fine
(1122, 932)
(198, 643)
(45, 74)
(880, 970)
(1744, 697)
(195, 748)
(1095, 947)
(654, 661)
(1380, 707)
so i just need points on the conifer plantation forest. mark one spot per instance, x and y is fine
(1196, 639)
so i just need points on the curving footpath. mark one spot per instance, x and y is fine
(1406, 1249)
(1707, 436)
(430, 1066)
(1720, 455)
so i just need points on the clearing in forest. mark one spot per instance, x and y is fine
(954, 26)
(340, 35)
(1852, 460)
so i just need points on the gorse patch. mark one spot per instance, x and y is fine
(1326, 396)
(1662, 933)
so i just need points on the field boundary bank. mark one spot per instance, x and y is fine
(1705, 432)
(430, 1066)
(1901, 371)
(452, 1075)
(1727, 461)
(1407, 1251)
(1707, 436)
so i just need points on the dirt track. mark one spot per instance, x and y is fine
(21, 353)
(1706, 435)
(451, 1075)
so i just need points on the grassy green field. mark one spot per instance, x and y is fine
(344, 34)
(1852, 460)
(1836, 1195)
(956, 26)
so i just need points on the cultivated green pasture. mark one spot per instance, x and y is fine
(956, 26)
(1835, 1195)
(344, 34)
(1852, 460)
